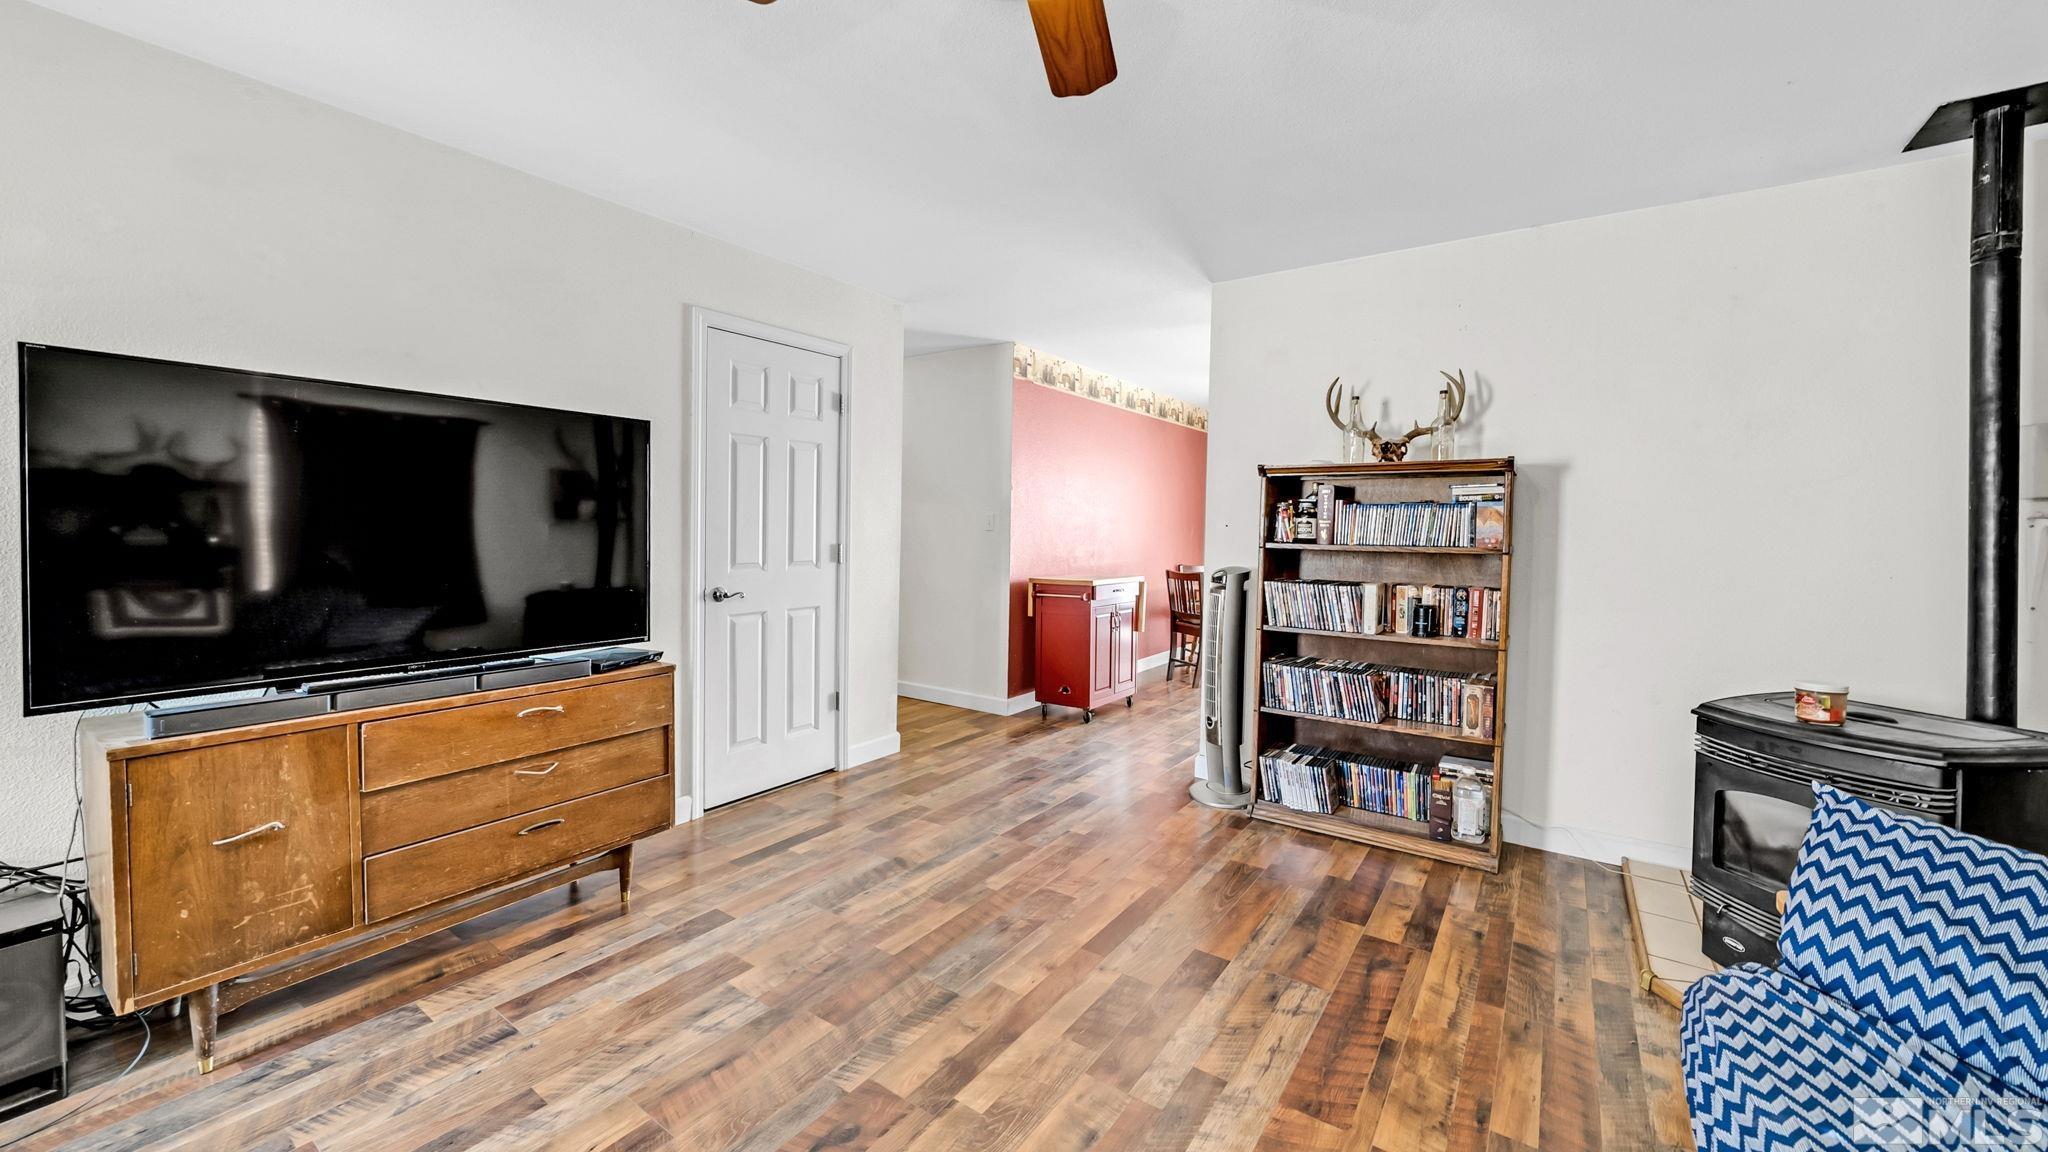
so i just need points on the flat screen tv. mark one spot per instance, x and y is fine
(190, 530)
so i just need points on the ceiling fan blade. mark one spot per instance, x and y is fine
(1073, 36)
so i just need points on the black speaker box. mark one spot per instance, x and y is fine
(32, 1057)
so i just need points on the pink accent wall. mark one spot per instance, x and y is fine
(1098, 491)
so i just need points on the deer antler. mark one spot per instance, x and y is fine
(1457, 390)
(1333, 403)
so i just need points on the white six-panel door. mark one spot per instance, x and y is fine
(771, 522)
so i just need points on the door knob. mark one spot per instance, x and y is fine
(720, 595)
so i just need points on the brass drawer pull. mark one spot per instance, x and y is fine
(557, 709)
(260, 829)
(541, 825)
(537, 771)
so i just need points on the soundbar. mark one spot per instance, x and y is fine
(187, 719)
(538, 672)
(316, 699)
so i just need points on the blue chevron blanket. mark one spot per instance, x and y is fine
(1938, 932)
(1910, 1008)
(1774, 1065)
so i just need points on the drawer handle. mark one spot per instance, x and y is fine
(537, 771)
(557, 709)
(260, 829)
(541, 825)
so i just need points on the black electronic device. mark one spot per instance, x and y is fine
(32, 1053)
(189, 530)
(613, 659)
(187, 719)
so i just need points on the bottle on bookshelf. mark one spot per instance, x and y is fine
(1471, 798)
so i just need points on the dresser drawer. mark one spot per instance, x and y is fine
(408, 748)
(409, 878)
(424, 809)
(1122, 593)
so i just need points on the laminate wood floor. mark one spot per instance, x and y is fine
(1016, 934)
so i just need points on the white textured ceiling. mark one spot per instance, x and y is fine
(910, 146)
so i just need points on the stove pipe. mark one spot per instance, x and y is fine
(1996, 126)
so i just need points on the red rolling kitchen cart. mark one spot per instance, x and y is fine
(1086, 632)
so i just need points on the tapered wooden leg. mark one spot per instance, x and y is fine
(626, 875)
(202, 1010)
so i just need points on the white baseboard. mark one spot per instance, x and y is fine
(996, 705)
(1587, 844)
(862, 751)
(953, 698)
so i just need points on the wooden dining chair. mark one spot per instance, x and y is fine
(1184, 603)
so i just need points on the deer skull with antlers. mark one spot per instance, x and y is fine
(1388, 450)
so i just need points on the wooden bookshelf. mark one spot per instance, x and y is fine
(1421, 743)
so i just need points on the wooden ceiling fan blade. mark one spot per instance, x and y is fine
(1073, 36)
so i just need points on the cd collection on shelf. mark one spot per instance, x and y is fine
(1376, 693)
(1460, 612)
(1421, 610)
(1327, 606)
(1306, 778)
(1474, 517)
(1421, 524)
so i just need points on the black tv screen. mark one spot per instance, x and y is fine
(188, 529)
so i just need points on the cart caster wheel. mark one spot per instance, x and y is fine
(1087, 716)
(1044, 711)
(1130, 701)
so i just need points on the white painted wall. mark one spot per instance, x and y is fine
(955, 629)
(1740, 428)
(154, 205)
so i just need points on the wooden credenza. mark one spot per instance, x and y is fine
(227, 865)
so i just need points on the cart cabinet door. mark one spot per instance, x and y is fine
(1102, 648)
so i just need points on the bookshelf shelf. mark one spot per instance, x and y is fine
(1452, 567)
(1382, 831)
(1396, 727)
(1392, 638)
(1292, 547)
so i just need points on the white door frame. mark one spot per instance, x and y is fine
(700, 322)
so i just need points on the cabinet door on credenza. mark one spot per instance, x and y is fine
(237, 852)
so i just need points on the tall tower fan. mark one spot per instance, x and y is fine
(1223, 629)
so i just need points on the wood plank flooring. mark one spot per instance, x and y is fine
(1016, 934)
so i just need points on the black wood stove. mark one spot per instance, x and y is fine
(1752, 793)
